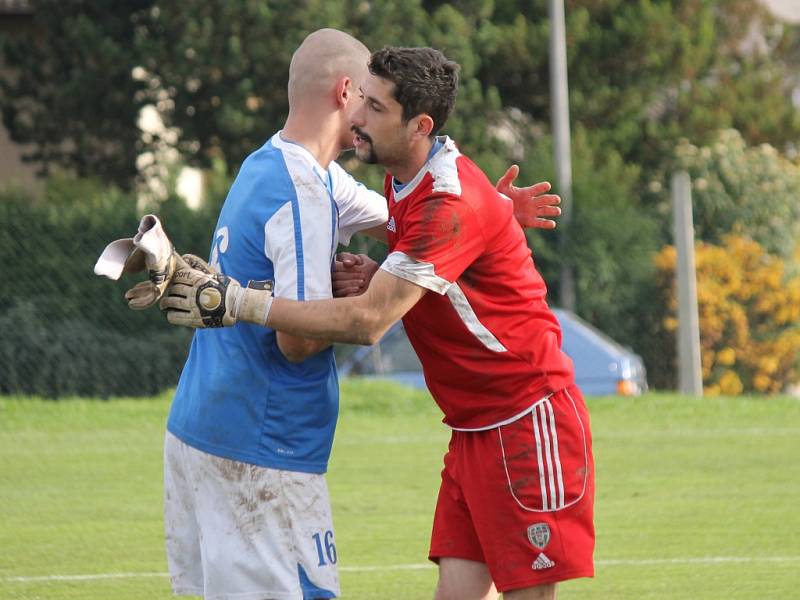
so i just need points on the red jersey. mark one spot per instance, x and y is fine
(489, 345)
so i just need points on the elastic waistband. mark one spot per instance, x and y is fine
(506, 421)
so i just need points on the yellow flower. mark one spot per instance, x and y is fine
(762, 383)
(726, 357)
(730, 384)
(768, 364)
(749, 309)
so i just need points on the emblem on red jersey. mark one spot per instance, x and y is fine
(539, 535)
(391, 226)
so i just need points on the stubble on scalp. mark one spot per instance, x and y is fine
(321, 59)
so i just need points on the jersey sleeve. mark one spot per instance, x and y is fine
(359, 207)
(441, 238)
(299, 247)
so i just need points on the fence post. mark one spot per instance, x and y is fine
(690, 380)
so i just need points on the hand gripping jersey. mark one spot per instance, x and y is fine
(238, 396)
(489, 345)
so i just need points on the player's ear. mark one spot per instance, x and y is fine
(422, 125)
(343, 91)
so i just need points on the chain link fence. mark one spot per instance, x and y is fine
(65, 331)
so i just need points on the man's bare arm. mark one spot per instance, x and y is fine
(356, 320)
(377, 233)
(350, 277)
(199, 300)
(297, 349)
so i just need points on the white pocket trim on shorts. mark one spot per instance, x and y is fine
(551, 481)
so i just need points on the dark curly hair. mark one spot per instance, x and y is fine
(425, 81)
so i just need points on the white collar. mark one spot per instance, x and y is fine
(299, 150)
(448, 146)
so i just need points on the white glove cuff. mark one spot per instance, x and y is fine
(253, 305)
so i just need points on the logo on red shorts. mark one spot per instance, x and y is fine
(542, 563)
(539, 535)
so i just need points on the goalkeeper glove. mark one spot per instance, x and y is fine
(202, 300)
(149, 249)
(142, 295)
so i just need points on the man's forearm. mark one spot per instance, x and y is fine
(355, 320)
(348, 320)
(376, 233)
(197, 299)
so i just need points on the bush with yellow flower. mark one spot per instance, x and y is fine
(749, 309)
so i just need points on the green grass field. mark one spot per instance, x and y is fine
(697, 499)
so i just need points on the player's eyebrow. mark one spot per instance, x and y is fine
(371, 99)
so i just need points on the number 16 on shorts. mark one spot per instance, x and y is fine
(326, 548)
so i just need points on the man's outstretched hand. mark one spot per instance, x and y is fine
(533, 206)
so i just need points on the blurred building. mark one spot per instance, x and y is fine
(788, 10)
(16, 19)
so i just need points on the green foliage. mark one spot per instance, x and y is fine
(223, 68)
(643, 75)
(743, 190)
(68, 90)
(83, 357)
(67, 331)
(610, 242)
(219, 70)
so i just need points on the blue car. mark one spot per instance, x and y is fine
(602, 367)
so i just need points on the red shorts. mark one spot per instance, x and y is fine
(520, 497)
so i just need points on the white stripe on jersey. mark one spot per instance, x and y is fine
(359, 207)
(423, 274)
(420, 273)
(443, 169)
(471, 321)
(302, 255)
(279, 247)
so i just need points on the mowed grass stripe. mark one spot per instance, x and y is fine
(696, 498)
(703, 560)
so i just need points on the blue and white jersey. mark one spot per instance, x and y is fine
(238, 396)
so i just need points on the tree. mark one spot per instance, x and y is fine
(219, 69)
(746, 190)
(69, 92)
(611, 243)
(645, 73)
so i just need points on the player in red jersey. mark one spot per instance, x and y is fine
(515, 508)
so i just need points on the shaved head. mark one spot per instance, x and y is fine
(322, 58)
